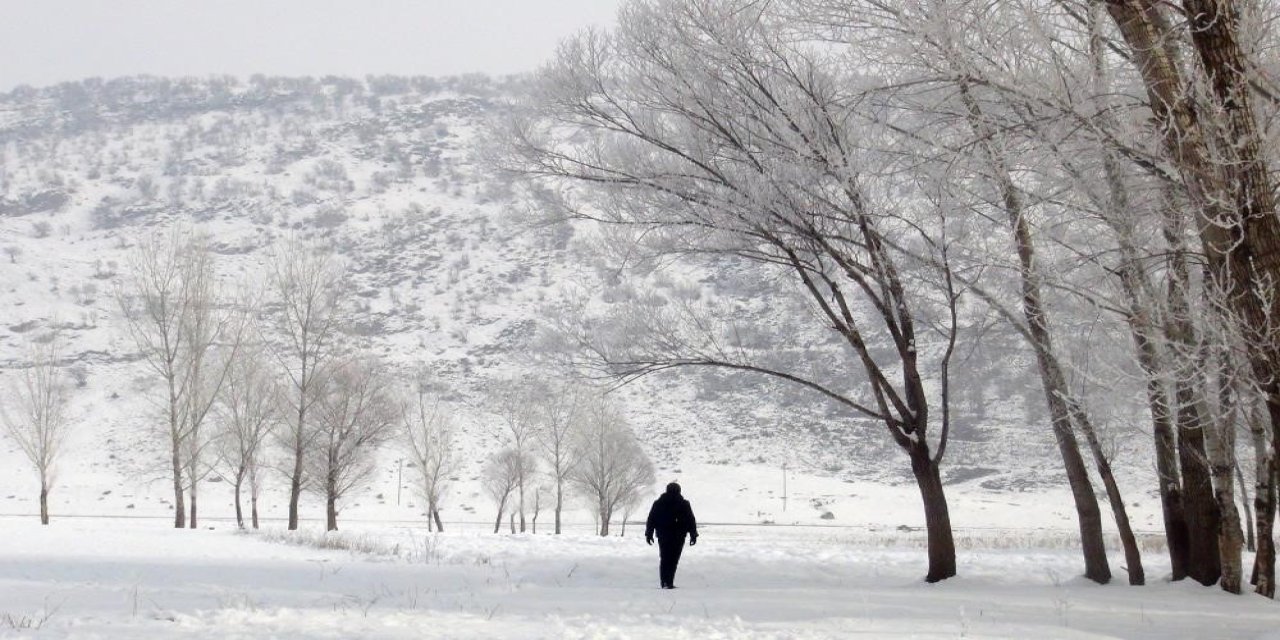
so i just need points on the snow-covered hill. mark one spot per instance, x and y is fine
(446, 275)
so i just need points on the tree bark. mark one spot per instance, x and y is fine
(295, 479)
(179, 502)
(1221, 442)
(253, 510)
(44, 502)
(191, 522)
(331, 512)
(559, 502)
(239, 512)
(1264, 505)
(1038, 333)
(1238, 224)
(497, 523)
(937, 517)
(1250, 542)
(435, 513)
(1132, 555)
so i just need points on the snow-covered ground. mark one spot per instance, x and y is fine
(123, 578)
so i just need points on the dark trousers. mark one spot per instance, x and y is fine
(669, 549)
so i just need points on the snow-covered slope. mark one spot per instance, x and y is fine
(446, 275)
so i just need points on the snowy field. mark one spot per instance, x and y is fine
(135, 578)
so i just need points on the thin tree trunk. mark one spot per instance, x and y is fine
(1038, 333)
(179, 502)
(522, 524)
(191, 522)
(497, 523)
(937, 517)
(1168, 476)
(1132, 555)
(331, 510)
(435, 513)
(559, 502)
(295, 479)
(513, 522)
(253, 509)
(44, 502)
(239, 512)
(1243, 486)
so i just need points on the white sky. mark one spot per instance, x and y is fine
(47, 41)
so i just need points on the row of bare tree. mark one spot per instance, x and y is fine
(905, 169)
(249, 385)
(585, 446)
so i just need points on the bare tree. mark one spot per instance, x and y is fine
(429, 439)
(613, 471)
(248, 410)
(35, 414)
(557, 425)
(500, 477)
(170, 306)
(714, 137)
(517, 405)
(355, 416)
(306, 283)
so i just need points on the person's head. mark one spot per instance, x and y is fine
(673, 488)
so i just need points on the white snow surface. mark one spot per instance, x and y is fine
(135, 578)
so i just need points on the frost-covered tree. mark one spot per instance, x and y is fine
(305, 287)
(429, 440)
(712, 137)
(188, 339)
(559, 412)
(500, 477)
(517, 404)
(355, 416)
(35, 414)
(613, 471)
(248, 410)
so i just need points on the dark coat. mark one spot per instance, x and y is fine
(671, 517)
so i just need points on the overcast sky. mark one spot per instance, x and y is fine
(47, 41)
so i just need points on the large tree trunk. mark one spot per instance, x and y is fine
(937, 517)
(44, 502)
(605, 516)
(1238, 224)
(1190, 385)
(1221, 442)
(1264, 505)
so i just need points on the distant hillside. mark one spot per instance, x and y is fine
(446, 273)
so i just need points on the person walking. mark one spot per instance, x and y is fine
(671, 518)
